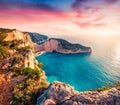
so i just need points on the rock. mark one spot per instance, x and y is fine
(57, 92)
(63, 94)
(37, 38)
(61, 46)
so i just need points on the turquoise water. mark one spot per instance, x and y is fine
(85, 71)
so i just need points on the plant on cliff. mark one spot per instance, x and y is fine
(26, 91)
(34, 73)
(40, 65)
(27, 71)
(107, 87)
(4, 51)
(2, 36)
(103, 88)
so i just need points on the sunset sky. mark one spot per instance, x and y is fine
(62, 17)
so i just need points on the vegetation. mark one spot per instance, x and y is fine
(4, 43)
(32, 81)
(4, 51)
(40, 65)
(27, 71)
(107, 87)
(2, 36)
(116, 85)
(26, 91)
(34, 73)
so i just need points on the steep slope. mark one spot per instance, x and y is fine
(62, 46)
(37, 38)
(21, 76)
(63, 94)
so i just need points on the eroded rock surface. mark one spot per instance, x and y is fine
(63, 94)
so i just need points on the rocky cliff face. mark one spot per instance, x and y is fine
(62, 46)
(63, 94)
(23, 42)
(18, 68)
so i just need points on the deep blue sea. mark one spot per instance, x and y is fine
(86, 71)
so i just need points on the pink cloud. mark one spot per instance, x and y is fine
(89, 24)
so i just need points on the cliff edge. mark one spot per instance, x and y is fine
(21, 76)
(62, 94)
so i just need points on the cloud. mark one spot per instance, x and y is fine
(90, 5)
(91, 21)
(30, 4)
(89, 24)
(111, 1)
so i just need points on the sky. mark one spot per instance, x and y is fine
(62, 17)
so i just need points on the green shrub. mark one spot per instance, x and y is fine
(27, 70)
(107, 87)
(27, 91)
(2, 36)
(4, 43)
(43, 84)
(37, 73)
(4, 51)
(40, 65)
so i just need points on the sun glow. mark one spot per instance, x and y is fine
(118, 53)
(106, 32)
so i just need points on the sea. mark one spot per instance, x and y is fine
(85, 71)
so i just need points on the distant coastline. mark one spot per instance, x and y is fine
(39, 53)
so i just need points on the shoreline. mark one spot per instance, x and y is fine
(39, 53)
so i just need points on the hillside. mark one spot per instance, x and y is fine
(37, 38)
(62, 46)
(21, 76)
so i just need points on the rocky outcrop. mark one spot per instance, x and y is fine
(20, 55)
(23, 42)
(62, 46)
(63, 94)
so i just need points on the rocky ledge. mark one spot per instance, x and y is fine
(63, 94)
(62, 46)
